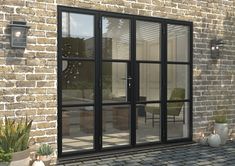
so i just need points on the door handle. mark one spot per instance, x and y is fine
(128, 78)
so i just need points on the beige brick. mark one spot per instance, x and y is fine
(51, 34)
(51, 132)
(15, 106)
(13, 2)
(7, 9)
(45, 84)
(51, 21)
(44, 70)
(23, 69)
(35, 77)
(51, 118)
(35, 91)
(14, 91)
(35, 47)
(46, 27)
(36, 62)
(46, 41)
(46, 125)
(45, 97)
(7, 99)
(37, 133)
(51, 48)
(25, 84)
(45, 139)
(46, 111)
(8, 113)
(25, 98)
(27, 11)
(25, 112)
(138, 5)
(51, 104)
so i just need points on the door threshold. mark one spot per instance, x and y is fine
(120, 152)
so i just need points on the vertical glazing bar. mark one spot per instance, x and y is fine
(163, 94)
(133, 87)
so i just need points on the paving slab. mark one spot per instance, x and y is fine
(193, 155)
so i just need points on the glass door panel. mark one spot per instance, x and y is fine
(178, 82)
(149, 81)
(115, 38)
(177, 120)
(116, 125)
(148, 115)
(178, 43)
(147, 123)
(177, 77)
(147, 41)
(116, 82)
(77, 81)
(77, 128)
(78, 35)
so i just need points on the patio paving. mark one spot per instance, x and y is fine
(192, 154)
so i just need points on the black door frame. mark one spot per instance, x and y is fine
(98, 91)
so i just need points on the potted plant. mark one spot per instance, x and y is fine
(14, 136)
(221, 126)
(5, 157)
(44, 153)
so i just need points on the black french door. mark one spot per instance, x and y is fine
(123, 81)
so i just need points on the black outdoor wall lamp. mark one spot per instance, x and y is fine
(19, 31)
(216, 45)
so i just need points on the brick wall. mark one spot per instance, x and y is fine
(28, 77)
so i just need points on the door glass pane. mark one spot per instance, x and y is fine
(147, 40)
(114, 82)
(177, 120)
(116, 38)
(116, 125)
(178, 43)
(77, 82)
(149, 81)
(77, 128)
(177, 82)
(147, 123)
(78, 35)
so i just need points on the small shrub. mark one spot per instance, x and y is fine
(220, 117)
(14, 135)
(45, 150)
(5, 156)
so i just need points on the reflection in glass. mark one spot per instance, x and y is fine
(114, 81)
(77, 82)
(116, 38)
(147, 123)
(177, 77)
(77, 35)
(149, 81)
(147, 40)
(177, 120)
(178, 43)
(116, 125)
(77, 128)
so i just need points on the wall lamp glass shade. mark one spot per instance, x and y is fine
(19, 31)
(216, 46)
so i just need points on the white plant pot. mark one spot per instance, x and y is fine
(20, 158)
(4, 164)
(222, 130)
(214, 140)
(46, 160)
